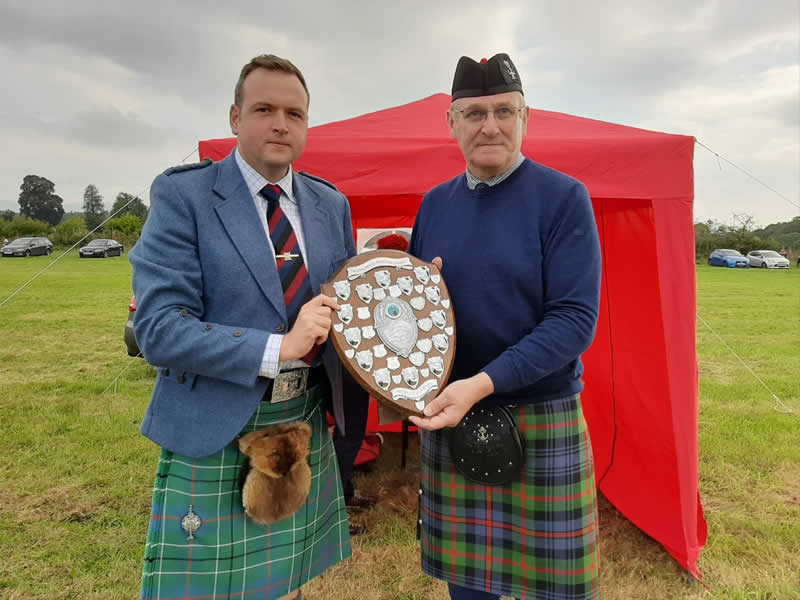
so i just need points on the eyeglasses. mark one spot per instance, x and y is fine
(478, 115)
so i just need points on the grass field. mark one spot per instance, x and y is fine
(75, 475)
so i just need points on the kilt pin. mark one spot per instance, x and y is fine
(230, 556)
(535, 537)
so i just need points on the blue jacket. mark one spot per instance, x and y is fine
(208, 297)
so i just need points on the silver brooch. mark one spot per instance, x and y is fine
(191, 523)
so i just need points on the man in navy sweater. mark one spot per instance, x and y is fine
(520, 254)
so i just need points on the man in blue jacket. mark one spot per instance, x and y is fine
(521, 258)
(226, 276)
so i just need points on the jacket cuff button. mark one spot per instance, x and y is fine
(237, 333)
(281, 327)
(184, 312)
(207, 326)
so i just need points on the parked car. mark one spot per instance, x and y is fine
(28, 246)
(767, 259)
(130, 337)
(101, 249)
(725, 257)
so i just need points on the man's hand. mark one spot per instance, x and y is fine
(311, 327)
(449, 407)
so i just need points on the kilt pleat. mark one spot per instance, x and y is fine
(231, 556)
(533, 538)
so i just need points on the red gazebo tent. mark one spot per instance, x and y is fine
(641, 371)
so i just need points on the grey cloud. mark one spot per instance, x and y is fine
(114, 129)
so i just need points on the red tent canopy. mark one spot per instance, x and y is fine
(641, 371)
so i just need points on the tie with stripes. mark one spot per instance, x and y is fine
(291, 267)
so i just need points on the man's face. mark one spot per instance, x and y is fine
(492, 145)
(272, 121)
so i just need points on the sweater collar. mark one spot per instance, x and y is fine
(472, 181)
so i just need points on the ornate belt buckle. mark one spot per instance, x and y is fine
(288, 385)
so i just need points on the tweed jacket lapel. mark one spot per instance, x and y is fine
(321, 250)
(240, 219)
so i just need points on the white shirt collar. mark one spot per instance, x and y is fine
(256, 181)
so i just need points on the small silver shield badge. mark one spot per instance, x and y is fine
(411, 376)
(353, 336)
(440, 342)
(406, 284)
(436, 365)
(384, 278)
(396, 325)
(433, 294)
(438, 318)
(364, 359)
(382, 378)
(342, 289)
(364, 291)
(423, 273)
(346, 313)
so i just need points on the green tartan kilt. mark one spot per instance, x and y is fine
(230, 555)
(533, 538)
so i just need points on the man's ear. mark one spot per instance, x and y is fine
(451, 124)
(233, 116)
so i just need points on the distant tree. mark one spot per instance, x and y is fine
(22, 226)
(70, 232)
(93, 210)
(125, 225)
(38, 200)
(71, 214)
(125, 229)
(133, 206)
(7, 215)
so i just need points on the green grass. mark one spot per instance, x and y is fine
(75, 475)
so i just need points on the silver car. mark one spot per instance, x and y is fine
(767, 259)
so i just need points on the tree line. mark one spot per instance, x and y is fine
(41, 213)
(744, 236)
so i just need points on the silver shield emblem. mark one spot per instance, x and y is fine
(342, 289)
(406, 284)
(396, 325)
(411, 376)
(384, 278)
(436, 365)
(440, 342)
(433, 294)
(438, 318)
(423, 273)
(364, 291)
(364, 359)
(363, 313)
(382, 378)
(353, 336)
(346, 313)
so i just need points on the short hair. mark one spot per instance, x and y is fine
(270, 62)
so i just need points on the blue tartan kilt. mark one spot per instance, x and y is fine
(230, 555)
(533, 538)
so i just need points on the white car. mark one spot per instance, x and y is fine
(767, 259)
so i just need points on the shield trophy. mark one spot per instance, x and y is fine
(405, 339)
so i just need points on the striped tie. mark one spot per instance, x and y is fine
(291, 267)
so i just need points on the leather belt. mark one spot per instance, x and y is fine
(290, 384)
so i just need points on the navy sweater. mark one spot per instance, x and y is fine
(521, 260)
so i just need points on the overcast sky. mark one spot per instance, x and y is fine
(112, 93)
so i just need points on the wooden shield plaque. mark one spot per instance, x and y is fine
(395, 332)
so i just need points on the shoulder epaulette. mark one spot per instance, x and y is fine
(188, 167)
(328, 183)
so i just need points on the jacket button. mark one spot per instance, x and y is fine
(165, 372)
(207, 326)
(281, 327)
(237, 333)
(184, 312)
(181, 379)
